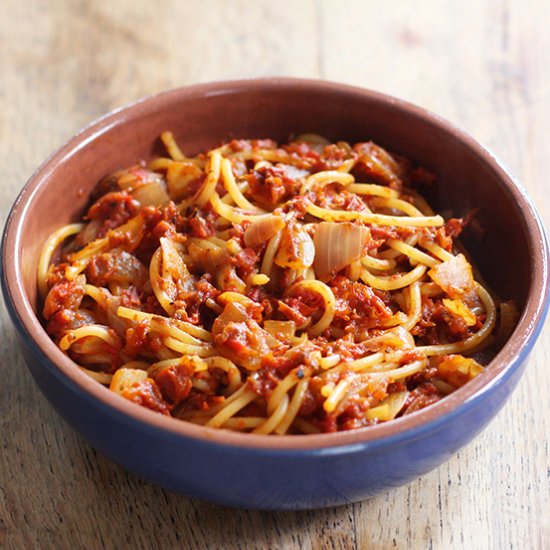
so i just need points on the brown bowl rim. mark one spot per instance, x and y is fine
(512, 354)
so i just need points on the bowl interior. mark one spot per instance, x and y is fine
(499, 241)
(503, 243)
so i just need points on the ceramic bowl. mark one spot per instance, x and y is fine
(272, 472)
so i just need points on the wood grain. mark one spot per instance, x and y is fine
(482, 65)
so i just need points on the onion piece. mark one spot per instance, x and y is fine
(389, 408)
(179, 176)
(396, 338)
(281, 330)
(296, 249)
(261, 230)
(124, 379)
(462, 310)
(456, 370)
(337, 245)
(151, 194)
(455, 277)
(173, 277)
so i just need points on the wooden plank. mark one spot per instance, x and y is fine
(483, 65)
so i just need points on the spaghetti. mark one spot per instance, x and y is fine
(272, 289)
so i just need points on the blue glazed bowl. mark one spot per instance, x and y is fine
(288, 472)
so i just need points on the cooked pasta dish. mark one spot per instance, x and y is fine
(270, 288)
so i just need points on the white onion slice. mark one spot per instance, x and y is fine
(296, 249)
(151, 194)
(337, 245)
(261, 230)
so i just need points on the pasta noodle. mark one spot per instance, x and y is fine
(272, 289)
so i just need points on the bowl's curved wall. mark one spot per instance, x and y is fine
(202, 117)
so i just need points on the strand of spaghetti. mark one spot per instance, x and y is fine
(99, 331)
(158, 283)
(51, 244)
(213, 409)
(436, 250)
(396, 319)
(231, 296)
(275, 419)
(224, 150)
(329, 361)
(231, 214)
(389, 408)
(420, 202)
(282, 388)
(136, 315)
(269, 254)
(305, 427)
(92, 248)
(397, 204)
(475, 339)
(231, 409)
(243, 423)
(378, 263)
(187, 349)
(366, 362)
(401, 372)
(347, 165)
(228, 199)
(412, 252)
(231, 185)
(376, 219)
(101, 377)
(209, 186)
(391, 254)
(415, 306)
(161, 163)
(172, 147)
(373, 189)
(233, 373)
(336, 395)
(81, 259)
(164, 353)
(219, 241)
(294, 407)
(393, 282)
(164, 328)
(328, 297)
(238, 423)
(324, 178)
(382, 367)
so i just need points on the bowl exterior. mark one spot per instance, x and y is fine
(265, 479)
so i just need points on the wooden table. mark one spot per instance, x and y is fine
(483, 65)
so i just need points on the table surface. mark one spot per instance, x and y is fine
(482, 65)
